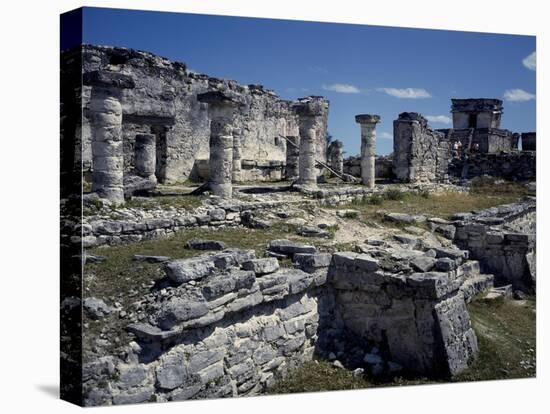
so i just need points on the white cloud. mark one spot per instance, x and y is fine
(518, 95)
(385, 135)
(439, 119)
(406, 93)
(530, 62)
(341, 88)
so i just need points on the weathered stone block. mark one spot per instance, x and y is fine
(180, 271)
(262, 266)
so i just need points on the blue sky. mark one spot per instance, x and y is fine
(360, 69)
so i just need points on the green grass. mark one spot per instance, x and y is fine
(120, 279)
(120, 274)
(319, 376)
(506, 335)
(483, 195)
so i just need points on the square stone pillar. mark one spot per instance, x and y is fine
(106, 131)
(221, 110)
(368, 147)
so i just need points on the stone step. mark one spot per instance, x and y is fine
(476, 284)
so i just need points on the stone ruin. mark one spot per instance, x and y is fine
(137, 93)
(229, 323)
(475, 146)
(134, 95)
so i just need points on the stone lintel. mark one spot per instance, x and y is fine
(477, 105)
(108, 79)
(411, 116)
(218, 98)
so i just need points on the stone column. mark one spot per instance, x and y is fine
(106, 131)
(336, 156)
(368, 147)
(237, 155)
(221, 110)
(145, 151)
(292, 157)
(310, 116)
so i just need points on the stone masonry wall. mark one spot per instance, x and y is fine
(164, 103)
(420, 154)
(383, 166)
(228, 324)
(503, 239)
(517, 165)
(224, 324)
(417, 316)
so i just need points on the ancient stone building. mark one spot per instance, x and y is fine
(475, 146)
(476, 124)
(163, 102)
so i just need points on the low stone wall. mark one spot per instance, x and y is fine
(252, 170)
(225, 324)
(419, 319)
(383, 167)
(517, 165)
(347, 194)
(503, 239)
(228, 324)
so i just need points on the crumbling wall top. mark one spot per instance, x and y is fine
(311, 106)
(476, 105)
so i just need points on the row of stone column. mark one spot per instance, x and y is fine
(300, 152)
(225, 142)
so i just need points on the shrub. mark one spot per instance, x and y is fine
(374, 200)
(351, 214)
(394, 194)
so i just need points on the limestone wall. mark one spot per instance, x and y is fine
(228, 324)
(420, 154)
(163, 102)
(503, 239)
(517, 165)
(419, 319)
(225, 324)
(383, 165)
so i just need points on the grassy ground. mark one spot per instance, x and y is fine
(506, 334)
(121, 280)
(120, 276)
(319, 376)
(483, 194)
